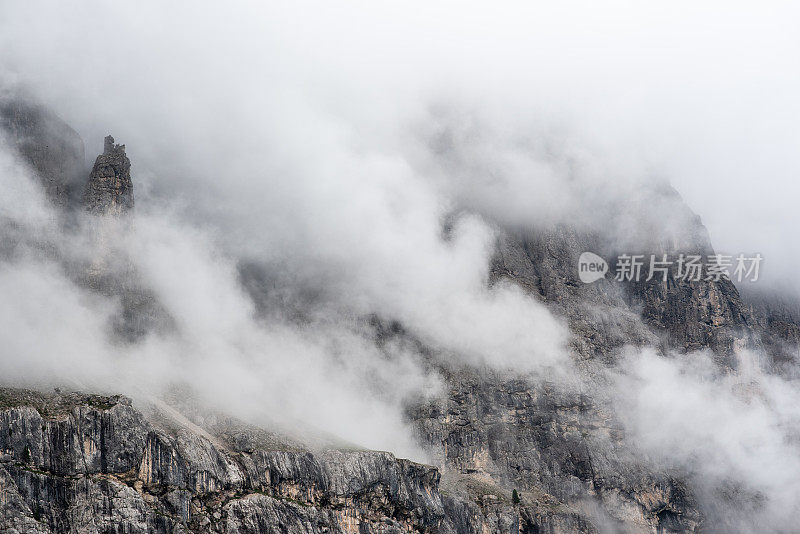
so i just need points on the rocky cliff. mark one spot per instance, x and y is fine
(74, 462)
(110, 189)
(83, 463)
(54, 151)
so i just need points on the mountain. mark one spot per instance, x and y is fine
(52, 148)
(110, 188)
(80, 462)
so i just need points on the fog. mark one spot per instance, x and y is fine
(737, 433)
(701, 95)
(358, 158)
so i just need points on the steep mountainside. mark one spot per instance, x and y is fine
(512, 455)
(53, 149)
(110, 188)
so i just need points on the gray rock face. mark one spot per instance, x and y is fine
(53, 150)
(83, 463)
(110, 189)
(776, 319)
(77, 463)
(544, 264)
(560, 451)
(679, 314)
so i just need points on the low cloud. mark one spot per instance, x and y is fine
(736, 433)
(300, 169)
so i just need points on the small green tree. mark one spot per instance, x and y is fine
(515, 497)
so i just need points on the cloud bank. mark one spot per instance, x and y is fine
(351, 161)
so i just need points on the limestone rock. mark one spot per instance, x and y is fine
(110, 189)
(87, 463)
(53, 150)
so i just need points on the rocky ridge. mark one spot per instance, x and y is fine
(87, 463)
(82, 463)
(109, 188)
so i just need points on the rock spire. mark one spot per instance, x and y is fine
(110, 189)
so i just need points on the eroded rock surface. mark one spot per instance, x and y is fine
(84, 463)
(110, 189)
(51, 147)
(78, 463)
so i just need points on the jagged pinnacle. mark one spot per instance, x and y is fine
(110, 189)
(110, 148)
